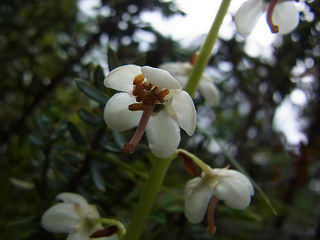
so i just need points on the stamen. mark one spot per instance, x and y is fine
(147, 86)
(138, 79)
(130, 146)
(136, 107)
(139, 92)
(211, 227)
(274, 28)
(162, 94)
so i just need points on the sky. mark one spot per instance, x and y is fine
(197, 22)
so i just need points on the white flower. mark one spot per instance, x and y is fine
(282, 16)
(74, 215)
(181, 71)
(230, 186)
(151, 99)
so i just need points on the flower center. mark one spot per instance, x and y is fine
(149, 99)
(274, 28)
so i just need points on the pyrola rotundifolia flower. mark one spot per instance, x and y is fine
(74, 215)
(181, 71)
(151, 99)
(202, 193)
(282, 16)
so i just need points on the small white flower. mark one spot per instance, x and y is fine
(230, 186)
(74, 215)
(151, 99)
(282, 16)
(182, 71)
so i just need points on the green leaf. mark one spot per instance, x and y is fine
(90, 117)
(140, 60)
(113, 60)
(98, 77)
(92, 92)
(97, 176)
(76, 134)
(41, 124)
(35, 141)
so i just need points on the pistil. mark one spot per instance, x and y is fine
(131, 145)
(274, 28)
(211, 227)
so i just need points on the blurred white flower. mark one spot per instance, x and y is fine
(182, 71)
(74, 215)
(151, 99)
(282, 16)
(230, 186)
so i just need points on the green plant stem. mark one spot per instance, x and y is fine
(149, 194)
(206, 49)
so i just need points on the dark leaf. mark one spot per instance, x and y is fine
(76, 134)
(92, 91)
(113, 60)
(97, 176)
(98, 77)
(35, 141)
(140, 60)
(89, 117)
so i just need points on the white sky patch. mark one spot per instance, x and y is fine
(298, 97)
(88, 6)
(199, 17)
(285, 121)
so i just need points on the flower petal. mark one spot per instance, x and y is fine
(286, 16)
(180, 71)
(234, 188)
(79, 235)
(117, 115)
(197, 196)
(73, 198)
(160, 78)
(209, 92)
(183, 107)
(121, 78)
(61, 218)
(248, 15)
(163, 135)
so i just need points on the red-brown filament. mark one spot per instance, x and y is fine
(211, 227)
(274, 28)
(130, 146)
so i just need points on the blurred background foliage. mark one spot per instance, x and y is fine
(53, 137)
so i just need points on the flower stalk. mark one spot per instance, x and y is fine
(148, 197)
(206, 49)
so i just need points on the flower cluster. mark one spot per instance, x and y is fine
(282, 16)
(73, 215)
(152, 100)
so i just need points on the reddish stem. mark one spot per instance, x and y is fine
(130, 146)
(274, 28)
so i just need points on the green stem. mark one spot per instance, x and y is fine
(206, 49)
(194, 158)
(149, 194)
